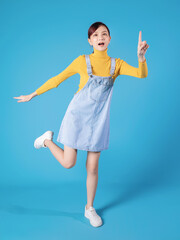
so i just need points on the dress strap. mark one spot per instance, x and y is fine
(89, 69)
(113, 65)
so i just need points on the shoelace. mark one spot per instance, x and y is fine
(93, 211)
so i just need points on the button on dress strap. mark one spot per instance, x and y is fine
(89, 69)
(113, 65)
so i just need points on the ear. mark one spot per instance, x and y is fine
(89, 41)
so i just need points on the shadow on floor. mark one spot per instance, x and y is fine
(15, 209)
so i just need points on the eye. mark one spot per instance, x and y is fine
(96, 34)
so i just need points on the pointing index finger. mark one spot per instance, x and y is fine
(140, 36)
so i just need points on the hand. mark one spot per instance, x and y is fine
(24, 98)
(142, 47)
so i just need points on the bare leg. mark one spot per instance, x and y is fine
(92, 176)
(67, 157)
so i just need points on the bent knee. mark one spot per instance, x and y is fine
(70, 164)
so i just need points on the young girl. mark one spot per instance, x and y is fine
(85, 125)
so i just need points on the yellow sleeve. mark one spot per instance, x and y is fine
(140, 72)
(55, 81)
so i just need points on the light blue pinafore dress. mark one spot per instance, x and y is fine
(86, 123)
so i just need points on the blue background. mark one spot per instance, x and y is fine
(138, 193)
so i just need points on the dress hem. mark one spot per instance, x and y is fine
(83, 149)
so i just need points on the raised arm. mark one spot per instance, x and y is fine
(142, 70)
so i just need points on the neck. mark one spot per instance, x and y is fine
(100, 54)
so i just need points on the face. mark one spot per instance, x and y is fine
(101, 35)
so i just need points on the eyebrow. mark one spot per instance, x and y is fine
(103, 31)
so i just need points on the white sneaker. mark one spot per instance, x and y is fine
(95, 219)
(39, 142)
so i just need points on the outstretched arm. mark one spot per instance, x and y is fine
(55, 81)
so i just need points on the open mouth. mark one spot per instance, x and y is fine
(101, 44)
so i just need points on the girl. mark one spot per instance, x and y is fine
(85, 125)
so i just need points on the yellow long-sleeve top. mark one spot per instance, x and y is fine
(100, 64)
